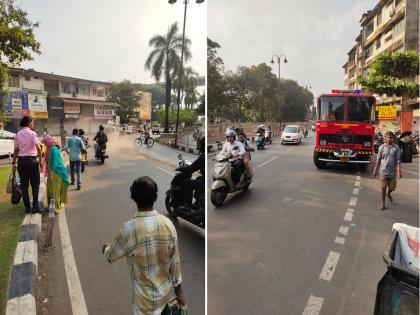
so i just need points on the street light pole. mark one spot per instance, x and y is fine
(279, 60)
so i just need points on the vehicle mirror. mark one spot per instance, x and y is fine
(180, 156)
(235, 147)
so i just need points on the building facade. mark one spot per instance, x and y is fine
(57, 103)
(391, 26)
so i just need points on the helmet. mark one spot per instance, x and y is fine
(230, 133)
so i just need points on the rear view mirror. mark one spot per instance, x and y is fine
(180, 156)
(235, 147)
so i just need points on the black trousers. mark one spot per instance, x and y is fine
(190, 185)
(28, 169)
(238, 168)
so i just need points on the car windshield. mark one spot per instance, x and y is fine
(331, 108)
(291, 129)
(361, 109)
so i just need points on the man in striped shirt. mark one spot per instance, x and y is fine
(149, 243)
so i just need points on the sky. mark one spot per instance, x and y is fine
(315, 36)
(108, 40)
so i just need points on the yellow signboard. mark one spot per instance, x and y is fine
(387, 111)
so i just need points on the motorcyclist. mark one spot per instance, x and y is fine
(100, 138)
(247, 157)
(197, 184)
(237, 149)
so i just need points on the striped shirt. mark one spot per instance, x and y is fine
(150, 244)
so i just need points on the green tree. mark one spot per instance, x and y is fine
(215, 82)
(186, 116)
(17, 42)
(164, 60)
(393, 74)
(124, 93)
(201, 109)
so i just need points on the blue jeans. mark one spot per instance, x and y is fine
(78, 171)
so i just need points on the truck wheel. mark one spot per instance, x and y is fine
(317, 162)
(218, 196)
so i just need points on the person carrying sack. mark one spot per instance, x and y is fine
(27, 149)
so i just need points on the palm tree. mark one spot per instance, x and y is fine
(189, 95)
(165, 58)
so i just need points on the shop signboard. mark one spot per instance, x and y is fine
(103, 111)
(55, 107)
(16, 104)
(37, 104)
(387, 111)
(71, 108)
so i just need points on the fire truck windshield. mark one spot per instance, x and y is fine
(331, 108)
(360, 109)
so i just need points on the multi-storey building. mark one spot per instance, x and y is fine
(57, 103)
(391, 26)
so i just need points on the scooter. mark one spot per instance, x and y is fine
(175, 200)
(268, 137)
(222, 180)
(259, 141)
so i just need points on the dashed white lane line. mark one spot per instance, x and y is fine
(353, 201)
(357, 183)
(349, 215)
(314, 305)
(344, 230)
(270, 160)
(340, 240)
(289, 149)
(163, 170)
(329, 266)
(355, 191)
(358, 178)
(77, 299)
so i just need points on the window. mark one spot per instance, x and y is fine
(378, 42)
(361, 109)
(369, 29)
(99, 91)
(388, 38)
(331, 108)
(27, 78)
(398, 29)
(379, 18)
(369, 51)
(66, 88)
(14, 81)
(82, 90)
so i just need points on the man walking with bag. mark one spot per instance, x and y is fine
(75, 146)
(27, 149)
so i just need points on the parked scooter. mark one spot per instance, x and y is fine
(176, 202)
(259, 141)
(222, 180)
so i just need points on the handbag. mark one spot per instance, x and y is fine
(17, 192)
(173, 308)
(10, 182)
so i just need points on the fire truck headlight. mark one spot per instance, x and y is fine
(323, 142)
(366, 144)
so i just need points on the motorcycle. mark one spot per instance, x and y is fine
(175, 198)
(100, 154)
(268, 137)
(259, 141)
(378, 141)
(222, 180)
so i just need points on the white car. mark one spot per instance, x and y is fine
(7, 142)
(291, 134)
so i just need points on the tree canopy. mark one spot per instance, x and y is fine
(393, 74)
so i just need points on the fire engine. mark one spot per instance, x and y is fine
(345, 128)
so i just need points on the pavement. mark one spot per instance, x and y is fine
(93, 217)
(303, 240)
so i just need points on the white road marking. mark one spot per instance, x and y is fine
(289, 149)
(77, 299)
(349, 215)
(355, 191)
(329, 266)
(344, 230)
(266, 162)
(163, 170)
(358, 178)
(353, 201)
(340, 240)
(357, 184)
(314, 305)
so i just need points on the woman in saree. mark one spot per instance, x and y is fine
(56, 173)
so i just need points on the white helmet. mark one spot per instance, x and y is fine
(230, 133)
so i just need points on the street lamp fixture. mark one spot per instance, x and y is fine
(308, 85)
(279, 60)
(178, 98)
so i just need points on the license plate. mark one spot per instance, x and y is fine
(345, 159)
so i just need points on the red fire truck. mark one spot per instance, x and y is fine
(345, 128)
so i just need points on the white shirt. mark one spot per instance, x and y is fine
(228, 148)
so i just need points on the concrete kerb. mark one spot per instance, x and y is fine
(22, 286)
(181, 147)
